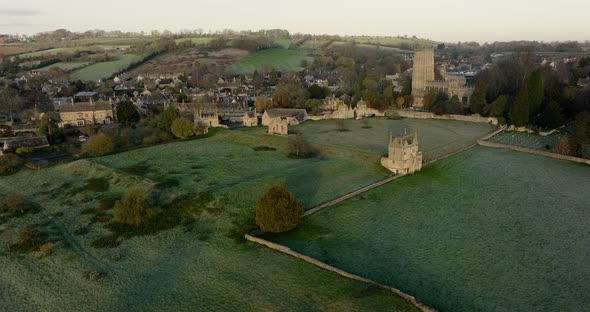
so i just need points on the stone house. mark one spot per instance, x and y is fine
(250, 119)
(207, 117)
(279, 126)
(86, 113)
(405, 156)
(293, 116)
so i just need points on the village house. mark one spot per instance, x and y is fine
(405, 156)
(250, 119)
(86, 113)
(207, 115)
(293, 116)
(279, 126)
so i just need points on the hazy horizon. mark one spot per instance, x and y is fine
(448, 21)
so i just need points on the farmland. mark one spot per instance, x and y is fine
(484, 230)
(184, 60)
(197, 264)
(66, 66)
(106, 69)
(278, 59)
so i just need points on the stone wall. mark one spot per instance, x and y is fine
(427, 115)
(535, 152)
(288, 251)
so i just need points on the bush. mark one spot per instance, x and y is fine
(15, 204)
(98, 145)
(27, 237)
(45, 249)
(298, 147)
(563, 147)
(24, 150)
(278, 211)
(133, 209)
(9, 164)
(182, 128)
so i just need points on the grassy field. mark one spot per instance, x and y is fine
(197, 265)
(106, 69)
(484, 230)
(436, 137)
(278, 59)
(391, 41)
(67, 66)
(197, 41)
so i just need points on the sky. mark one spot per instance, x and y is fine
(448, 21)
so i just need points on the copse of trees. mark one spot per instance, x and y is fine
(98, 145)
(127, 113)
(167, 118)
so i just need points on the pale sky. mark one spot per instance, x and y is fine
(449, 21)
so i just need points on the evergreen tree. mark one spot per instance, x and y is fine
(168, 117)
(551, 117)
(478, 100)
(127, 112)
(536, 92)
(519, 112)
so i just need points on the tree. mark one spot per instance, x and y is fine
(519, 112)
(98, 145)
(430, 99)
(496, 108)
(167, 118)
(563, 147)
(9, 164)
(133, 209)
(288, 94)
(551, 117)
(263, 103)
(278, 211)
(407, 86)
(477, 101)
(317, 92)
(298, 147)
(536, 92)
(313, 105)
(49, 125)
(127, 113)
(182, 128)
(581, 134)
(400, 101)
(10, 102)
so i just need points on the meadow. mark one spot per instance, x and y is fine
(106, 69)
(484, 230)
(66, 66)
(277, 59)
(391, 41)
(200, 264)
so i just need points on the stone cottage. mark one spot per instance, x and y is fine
(279, 126)
(86, 113)
(293, 116)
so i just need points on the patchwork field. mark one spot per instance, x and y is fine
(106, 69)
(198, 264)
(184, 60)
(278, 59)
(484, 230)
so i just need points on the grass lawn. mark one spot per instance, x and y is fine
(484, 230)
(197, 265)
(436, 137)
(278, 59)
(105, 69)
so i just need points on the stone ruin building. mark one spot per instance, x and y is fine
(405, 156)
(423, 79)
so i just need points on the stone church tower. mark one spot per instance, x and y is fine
(423, 79)
(405, 156)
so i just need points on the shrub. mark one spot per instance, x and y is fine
(45, 249)
(298, 147)
(167, 118)
(563, 147)
(133, 209)
(27, 237)
(15, 204)
(278, 211)
(98, 145)
(9, 164)
(24, 150)
(182, 128)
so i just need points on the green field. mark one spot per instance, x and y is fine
(391, 41)
(484, 230)
(53, 52)
(106, 69)
(199, 265)
(67, 66)
(197, 41)
(437, 137)
(277, 59)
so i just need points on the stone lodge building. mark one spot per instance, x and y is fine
(405, 156)
(279, 126)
